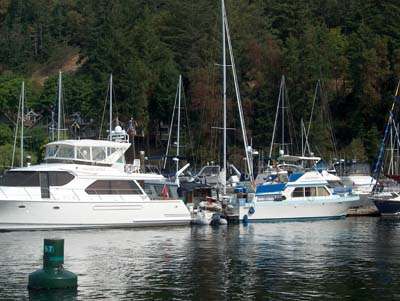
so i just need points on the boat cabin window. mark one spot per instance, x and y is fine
(113, 187)
(157, 190)
(322, 191)
(65, 151)
(29, 178)
(51, 151)
(83, 152)
(310, 191)
(299, 192)
(98, 153)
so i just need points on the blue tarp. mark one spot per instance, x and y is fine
(294, 177)
(262, 189)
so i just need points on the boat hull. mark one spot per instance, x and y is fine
(293, 210)
(39, 215)
(387, 206)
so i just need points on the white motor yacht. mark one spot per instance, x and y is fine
(299, 196)
(84, 184)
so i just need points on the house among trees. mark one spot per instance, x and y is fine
(31, 118)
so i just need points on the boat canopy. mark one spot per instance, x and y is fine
(86, 151)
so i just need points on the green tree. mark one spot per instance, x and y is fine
(6, 134)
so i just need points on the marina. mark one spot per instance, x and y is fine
(355, 258)
(222, 193)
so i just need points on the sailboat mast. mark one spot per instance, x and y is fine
(111, 87)
(22, 122)
(59, 107)
(224, 92)
(276, 120)
(283, 114)
(302, 138)
(248, 150)
(16, 127)
(179, 121)
(391, 167)
(170, 127)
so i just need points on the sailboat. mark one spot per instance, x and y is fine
(214, 174)
(386, 200)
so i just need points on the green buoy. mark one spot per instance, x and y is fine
(53, 275)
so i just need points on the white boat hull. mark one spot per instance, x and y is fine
(301, 209)
(51, 214)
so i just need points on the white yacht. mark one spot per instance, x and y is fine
(299, 196)
(84, 184)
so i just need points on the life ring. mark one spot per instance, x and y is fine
(251, 210)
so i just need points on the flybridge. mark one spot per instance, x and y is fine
(98, 152)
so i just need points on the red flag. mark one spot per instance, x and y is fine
(165, 192)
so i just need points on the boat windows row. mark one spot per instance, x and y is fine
(86, 153)
(47, 179)
(33, 178)
(300, 192)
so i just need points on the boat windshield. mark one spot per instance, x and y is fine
(99, 153)
(85, 153)
(209, 171)
(60, 151)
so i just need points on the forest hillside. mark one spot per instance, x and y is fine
(343, 56)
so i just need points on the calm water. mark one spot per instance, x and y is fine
(353, 258)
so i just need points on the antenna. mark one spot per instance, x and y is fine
(59, 107)
(111, 83)
(179, 121)
(22, 122)
(224, 91)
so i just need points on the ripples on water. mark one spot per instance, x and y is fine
(353, 258)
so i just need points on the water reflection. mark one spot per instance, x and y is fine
(53, 295)
(354, 258)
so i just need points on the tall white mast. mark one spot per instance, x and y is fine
(179, 121)
(171, 125)
(224, 92)
(248, 150)
(111, 88)
(59, 107)
(22, 122)
(276, 119)
(17, 124)
(283, 114)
